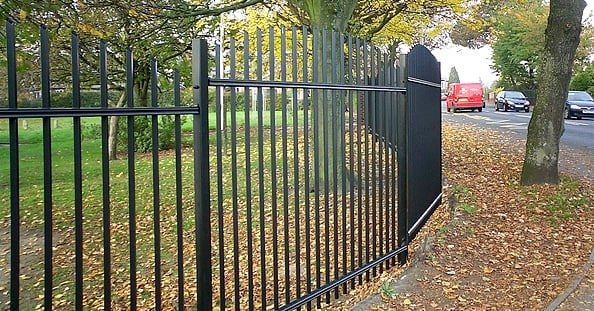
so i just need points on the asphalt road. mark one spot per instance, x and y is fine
(579, 134)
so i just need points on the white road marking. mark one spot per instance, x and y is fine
(516, 126)
(575, 123)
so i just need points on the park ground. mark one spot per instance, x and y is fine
(493, 244)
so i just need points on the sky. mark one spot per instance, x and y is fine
(473, 65)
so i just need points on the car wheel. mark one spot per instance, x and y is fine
(527, 110)
(566, 114)
(579, 118)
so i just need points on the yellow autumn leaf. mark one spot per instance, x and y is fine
(23, 14)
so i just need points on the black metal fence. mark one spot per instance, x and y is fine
(311, 162)
(310, 198)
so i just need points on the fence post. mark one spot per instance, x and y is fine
(201, 174)
(15, 218)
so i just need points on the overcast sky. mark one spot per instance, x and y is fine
(473, 65)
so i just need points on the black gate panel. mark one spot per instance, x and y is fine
(423, 137)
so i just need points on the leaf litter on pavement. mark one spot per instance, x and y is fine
(493, 244)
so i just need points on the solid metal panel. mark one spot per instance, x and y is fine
(423, 137)
(401, 154)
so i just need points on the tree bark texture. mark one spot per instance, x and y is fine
(562, 37)
(328, 112)
(112, 140)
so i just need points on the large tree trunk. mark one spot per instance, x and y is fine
(562, 37)
(328, 125)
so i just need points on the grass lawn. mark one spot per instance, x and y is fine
(258, 207)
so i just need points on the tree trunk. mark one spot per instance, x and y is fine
(328, 115)
(329, 125)
(562, 37)
(112, 140)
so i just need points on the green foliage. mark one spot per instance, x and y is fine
(583, 80)
(562, 203)
(91, 131)
(441, 233)
(388, 290)
(454, 78)
(60, 100)
(518, 48)
(468, 208)
(464, 199)
(143, 135)
(459, 190)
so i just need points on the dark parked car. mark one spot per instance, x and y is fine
(511, 100)
(579, 104)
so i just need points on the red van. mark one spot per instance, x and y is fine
(465, 96)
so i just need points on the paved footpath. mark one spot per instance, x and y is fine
(579, 295)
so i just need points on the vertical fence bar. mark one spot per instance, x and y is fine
(156, 182)
(78, 208)
(273, 181)
(248, 172)
(47, 172)
(374, 142)
(401, 112)
(201, 175)
(131, 178)
(335, 134)
(234, 187)
(380, 136)
(14, 169)
(316, 155)
(351, 107)
(105, 179)
(295, 106)
(285, 166)
(178, 194)
(343, 168)
(393, 152)
(219, 111)
(386, 164)
(325, 156)
(262, 193)
(360, 127)
(366, 128)
(306, 174)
